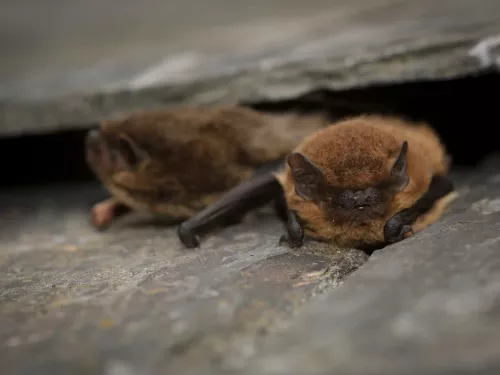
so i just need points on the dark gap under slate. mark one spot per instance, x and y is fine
(462, 110)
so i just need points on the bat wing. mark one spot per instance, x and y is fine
(399, 224)
(258, 190)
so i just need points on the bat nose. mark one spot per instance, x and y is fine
(360, 200)
(353, 200)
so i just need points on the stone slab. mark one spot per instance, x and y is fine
(131, 300)
(99, 66)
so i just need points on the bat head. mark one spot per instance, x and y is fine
(348, 187)
(128, 170)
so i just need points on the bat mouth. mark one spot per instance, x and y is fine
(362, 207)
(357, 213)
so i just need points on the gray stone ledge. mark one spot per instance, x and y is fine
(378, 42)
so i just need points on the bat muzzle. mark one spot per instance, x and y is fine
(97, 153)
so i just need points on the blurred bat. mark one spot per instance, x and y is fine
(175, 162)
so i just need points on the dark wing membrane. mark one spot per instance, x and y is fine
(258, 190)
(440, 186)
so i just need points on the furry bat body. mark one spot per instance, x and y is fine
(363, 182)
(175, 162)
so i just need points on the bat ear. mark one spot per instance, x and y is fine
(308, 177)
(129, 153)
(399, 172)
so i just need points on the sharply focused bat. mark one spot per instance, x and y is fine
(362, 182)
(175, 162)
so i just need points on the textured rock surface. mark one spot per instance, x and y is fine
(132, 301)
(76, 300)
(72, 73)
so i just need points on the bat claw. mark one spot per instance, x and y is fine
(395, 229)
(187, 236)
(285, 241)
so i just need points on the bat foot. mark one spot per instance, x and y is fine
(102, 215)
(286, 241)
(295, 232)
(105, 212)
(188, 238)
(395, 229)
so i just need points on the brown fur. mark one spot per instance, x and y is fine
(191, 156)
(358, 153)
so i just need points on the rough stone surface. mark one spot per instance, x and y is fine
(81, 72)
(132, 301)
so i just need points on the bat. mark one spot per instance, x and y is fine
(175, 162)
(362, 182)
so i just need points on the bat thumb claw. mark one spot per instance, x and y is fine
(187, 236)
(286, 241)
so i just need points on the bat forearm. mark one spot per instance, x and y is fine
(281, 208)
(440, 186)
(250, 194)
(397, 226)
